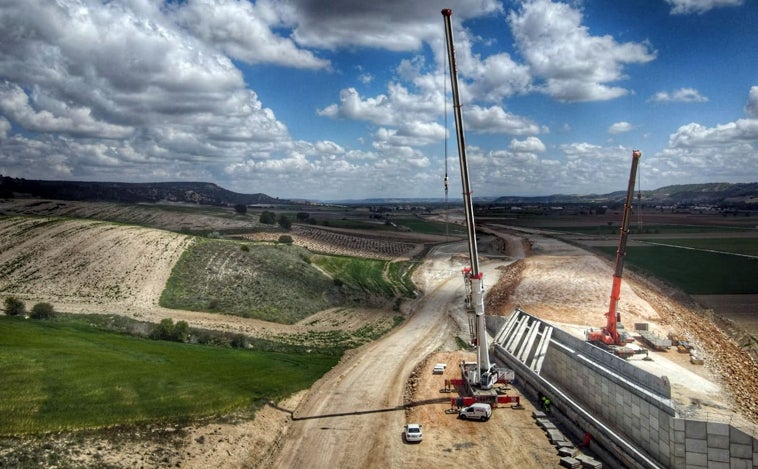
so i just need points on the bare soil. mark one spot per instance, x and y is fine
(354, 415)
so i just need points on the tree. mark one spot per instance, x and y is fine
(267, 218)
(240, 208)
(302, 216)
(42, 311)
(14, 306)
(285, 222)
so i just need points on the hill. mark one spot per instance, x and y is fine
(202, 193)
(722, 194)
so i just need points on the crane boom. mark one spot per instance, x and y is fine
(473, 277)
(610, 334)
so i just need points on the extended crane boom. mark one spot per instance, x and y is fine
(610, 335)
(487, 374)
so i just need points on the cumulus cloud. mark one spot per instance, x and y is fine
(494, 119)
(572, 64)
(528, 145)
(751, 108)
(682, 95)
(395, 25)
(685, 7)
(244, 30)
(620, 127)
(5, 128)
(124, 71)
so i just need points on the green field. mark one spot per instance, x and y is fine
(695, 272)
(67, 375)
(277, 282)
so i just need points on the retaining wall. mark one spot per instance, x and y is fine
(628, 411)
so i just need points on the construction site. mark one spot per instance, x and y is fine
(622, 414)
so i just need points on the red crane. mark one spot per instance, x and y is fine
(609, 336)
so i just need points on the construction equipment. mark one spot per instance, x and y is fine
(609, 337)
(483, 374)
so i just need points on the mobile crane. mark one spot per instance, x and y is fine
(609, 337)
(485, 374)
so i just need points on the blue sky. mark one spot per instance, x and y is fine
(327, 100)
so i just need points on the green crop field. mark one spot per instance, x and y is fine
(67, 375)
(747, 246)
(368, 275)
(695, 272)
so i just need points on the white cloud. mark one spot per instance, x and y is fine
(395, 25)
(64, 118)
(684, 7)
(244, 30)
(682, 95)
(574, 65)
(751, 108)
(5, 128)
(620, 127)
(528, 145)
(697, 135)
(494, 119)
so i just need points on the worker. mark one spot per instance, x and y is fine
(546, 404)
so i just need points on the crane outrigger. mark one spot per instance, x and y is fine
(485, 374)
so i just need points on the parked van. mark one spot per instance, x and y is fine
(476, 411)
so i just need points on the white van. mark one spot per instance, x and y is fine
(476, 411)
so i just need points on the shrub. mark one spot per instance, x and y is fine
(284, 222)
(240, 208)
(167, 330)
(14, 306)
(267, 218)
(42, 311)
(285, 239)
(245, 248)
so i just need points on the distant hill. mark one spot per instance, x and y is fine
(720, 194)
(190, 192)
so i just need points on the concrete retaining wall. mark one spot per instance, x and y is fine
(628, 411)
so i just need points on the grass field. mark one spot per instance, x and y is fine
(60, 375)
(277, 282)
(695, 272)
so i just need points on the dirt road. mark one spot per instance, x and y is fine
(354, 418)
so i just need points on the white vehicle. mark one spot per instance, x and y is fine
(476, 411)
(413, 433)
(439, 368)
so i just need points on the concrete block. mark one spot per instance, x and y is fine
(695, 429)
(679, 437)
(718, 441)
(718, 465)
(716, 428)
(567, 461)
(679, 450)
(735, 463)
(718, 455)
(678, 424)
(678, 463)
(692, 445)
(738, 436)
(696, 459)
(739, 451)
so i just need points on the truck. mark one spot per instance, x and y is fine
(477, 411)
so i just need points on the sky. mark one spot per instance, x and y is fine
(339, 99)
